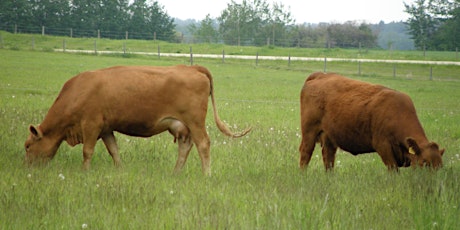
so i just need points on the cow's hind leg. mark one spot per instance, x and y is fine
(202, 142)
(306, 148)
(111, 145)
(328, 152)
(182, 135)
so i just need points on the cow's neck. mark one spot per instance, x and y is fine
(53, 127)
(416, 132)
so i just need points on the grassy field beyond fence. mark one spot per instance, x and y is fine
(255, 182)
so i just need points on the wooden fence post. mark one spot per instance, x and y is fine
(71, 32)
(126, 35)
(159, 52)
(394, 70)
(359, 68)
(43, 30)
(289, 60)
(431, 73)
(191, 56)
(223, 56)
(325, 64)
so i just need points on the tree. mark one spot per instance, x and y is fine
(149, 19)
(351, 34)
(447, 36)
(15, 13)
(253, 22)
(421, 24)
(206, 31)
(434, 23)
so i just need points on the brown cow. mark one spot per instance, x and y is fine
(359, 117)
(134, 100)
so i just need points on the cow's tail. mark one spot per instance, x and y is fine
(220, 124)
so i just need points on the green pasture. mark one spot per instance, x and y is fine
(255, 182)
(49, 43)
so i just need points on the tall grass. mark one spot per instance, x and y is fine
(256, 183)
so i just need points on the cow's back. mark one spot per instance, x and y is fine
(351, 113)
(126, 97)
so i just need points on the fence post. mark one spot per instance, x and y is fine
(223, 56)
(191, 56)
(431, 73)
(33, 43)
(98, 34)
(257, 59)
(71, 32)
(158, 51)
(126, 35)
(394, 70)
(63, 45)
(15, 28)
(289, 60)
(43, 30)
(325, 64)
(359, 68)
(154, 36)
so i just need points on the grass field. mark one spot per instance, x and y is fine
(255, 182)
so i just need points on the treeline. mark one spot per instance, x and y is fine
(112, 18)
(434, 24)
(251, 22)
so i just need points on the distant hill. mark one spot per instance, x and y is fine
(393, 35)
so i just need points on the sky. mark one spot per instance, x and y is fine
(370, 11)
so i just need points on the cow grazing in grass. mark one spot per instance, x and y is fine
(359, 117)
(134, 100)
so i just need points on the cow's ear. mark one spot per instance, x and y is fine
(435, 147)
(413, 146)
(35, 131)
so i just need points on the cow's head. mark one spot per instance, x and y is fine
(424, 155)
(39, 147)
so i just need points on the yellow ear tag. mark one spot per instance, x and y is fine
(411, 151)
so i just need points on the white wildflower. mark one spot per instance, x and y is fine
(61, 176)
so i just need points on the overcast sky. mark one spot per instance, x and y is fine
(371, 11)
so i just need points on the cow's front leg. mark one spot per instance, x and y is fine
(111, 145)
(88, 151)
(91, 131)
(386, 154)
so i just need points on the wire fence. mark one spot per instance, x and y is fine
(180, 37)
(411, 69)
